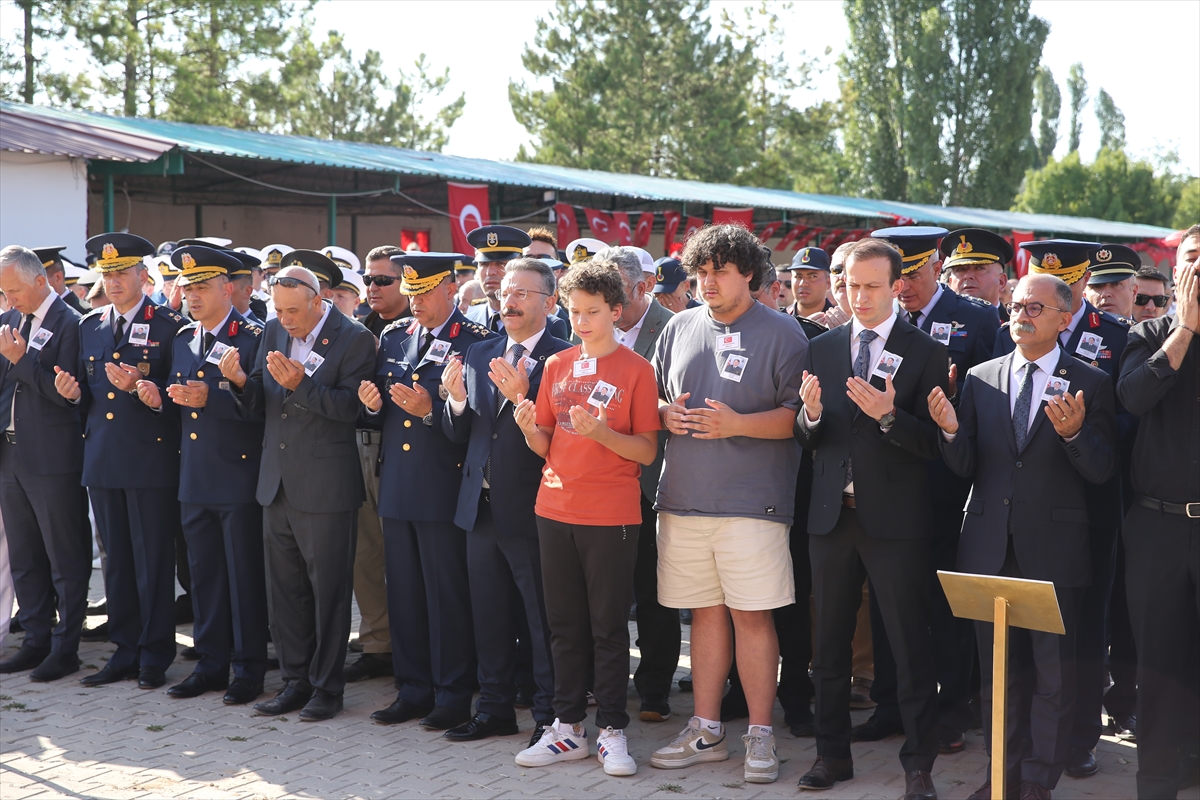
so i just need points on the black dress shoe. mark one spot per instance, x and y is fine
(189, 653)
(26, 658)
(151, 677)
(1124, 728)
(400, 711)
(803, 730)
(289, 698)
(826, 772)
(55, 666)
(110, 674)
(539, 728)
(98, 608)
(1081, 763)
(983, 792)
(874, 729)
(524, 698)
(96, 634)
(272, 664)
(918, 785)
(443, 718)
(322, 706)
(368, 665)
(242, 691)
(654, 709)
(951, 741)
(1034, 791)
(197, 684)
(481, 726)
(183, 610)
(14, 625)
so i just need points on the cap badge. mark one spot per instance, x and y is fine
(660, 275)
(964, 246)
(1103, 255)
(109, 251)
(274, 257)
(580, 252)
(804, 258)
(1051, 261)
(187, 261)
(409, 273)
(493, 239)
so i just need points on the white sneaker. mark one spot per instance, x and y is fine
(612, 750)
(695, 744)
(762, 763)
(559, 742)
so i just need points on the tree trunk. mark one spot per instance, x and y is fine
(27, 7)
(131, 59)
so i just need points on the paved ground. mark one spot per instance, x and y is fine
(60, 740)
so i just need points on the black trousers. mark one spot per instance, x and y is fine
(1091, 641)
(310, 574)
(1041, 690)
(659, 635)
(587, 571)
(1162, 575)
(429, 613)
(503, 568)
(229, 588)
(953, 638)
(50, 551)
(1120, 701)
(137, 527)
(841, 559)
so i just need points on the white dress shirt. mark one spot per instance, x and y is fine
(302, 348)
(216, 330)
(629, 337)
(1065, 336)
(129, 316)
(529, 344)
(39, 316)
(1041, 376)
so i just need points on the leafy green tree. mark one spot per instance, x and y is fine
(1112, 122)
(938, 97)
(1048, 102)
(1077, 87)
(1187, 212)
(24, 74)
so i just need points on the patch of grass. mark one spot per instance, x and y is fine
(154, 728)
(5, 697)
(732, 785)
(272, 728)
(670, 787)
(236, 738)
(283, 719)
(13, 706)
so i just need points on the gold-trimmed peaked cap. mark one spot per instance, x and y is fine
(422, 272)
(916, 243)
(198, 263)
(318, 264)
(498, 243)
(1062, 258)
(967, 246)
(117, 251)
(49, 256)
(1112, 263)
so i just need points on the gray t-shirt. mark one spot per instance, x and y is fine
(737, 476)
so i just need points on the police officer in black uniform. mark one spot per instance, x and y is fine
(130, 459)
(429, 602)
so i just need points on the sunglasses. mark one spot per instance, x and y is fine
(290, 283)
(1159, 300)
(786, 284)
(380, 280)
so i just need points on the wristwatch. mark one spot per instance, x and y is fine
(428, 419)
(888, 419)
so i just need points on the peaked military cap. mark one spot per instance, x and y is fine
(580, 249)
(318, 264)
(197, 263)
(1062, 258)
(342, 257)
(273, 254)
(1112, 263)
(49, 255)
(117, 251)
(498, 243)
(422, 272)
(975, 246)
(916, 243)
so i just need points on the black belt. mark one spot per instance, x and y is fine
(848, 501)
(10, 437)
(370, 437)
(1189, 510)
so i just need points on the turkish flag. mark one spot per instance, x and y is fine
(624, 232)
(603, 226)
(737, 216)
(568, 228)
(672, 227)
(693, 224)
(1021, 257)
(468, 211)
(791, 236)
(423, 241)
(834, 238)
(769, 230)
(407, 238)
(641, 232)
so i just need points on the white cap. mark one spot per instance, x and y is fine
(583, 248)
(342, 257)
(352, 278)
(273, 254)
(646, 259)
(250, 251)
(152, 270)
(73, 273)
(215, 241)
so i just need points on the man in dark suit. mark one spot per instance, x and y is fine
(870, 513)
(130, 459)
(41, 459)
(220, 456)
(501, 476)
(429, 599)
(305, 381)
(967, 327)
(1027, 516)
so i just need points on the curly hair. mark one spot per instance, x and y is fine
(595, 279)
(727, 244)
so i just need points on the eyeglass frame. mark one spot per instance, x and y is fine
(288, 282)
(521, 294)
(1014, 309)
(1159, 300)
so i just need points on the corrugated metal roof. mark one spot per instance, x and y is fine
(130, 131)
(23, 132)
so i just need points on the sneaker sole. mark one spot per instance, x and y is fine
(653, 716)
(539, 761)
(697, 758)
(761, 777)
(619, 771)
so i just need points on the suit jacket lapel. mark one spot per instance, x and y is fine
(491, 397)
(1073, 339)
(1060, 370)
(328, 333)
(12, 319)
(656, 318)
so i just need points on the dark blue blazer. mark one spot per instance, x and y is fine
(556, 323)
(127, 445)
(221, 448)
(420, 469)
(49, 436)
(1036, 495)
(516, 470)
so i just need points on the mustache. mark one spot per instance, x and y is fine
(512, 312)
(1024, 327)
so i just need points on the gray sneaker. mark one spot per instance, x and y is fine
(692, 746)
(762, 763)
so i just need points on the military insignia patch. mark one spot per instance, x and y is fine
(109, 251)
(804, 258)
(409, 273)
(1051, 261)
(964, 246)
(493, 239)
(1103, 255)
(187, 261)
(144, 368)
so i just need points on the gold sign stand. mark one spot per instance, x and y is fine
(1003, 602)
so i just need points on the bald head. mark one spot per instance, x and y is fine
(298, 307)
(303, 274)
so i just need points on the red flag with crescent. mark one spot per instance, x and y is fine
(624, 232)
(790, 237)
(672, 227)
(641, 231)
(568, 227)
(738, 216)
(602, 225)
(468, 211)
(693, 224)
(1020, 255)
(769, 230)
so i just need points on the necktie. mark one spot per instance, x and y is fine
(862, 368)
(8, 391)
(1021, 412)
(494, 323)
(515, 355)
(913, 316)
(426, 341)
(120, 329)
(208, 342)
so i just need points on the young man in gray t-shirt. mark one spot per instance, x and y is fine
(729, 376)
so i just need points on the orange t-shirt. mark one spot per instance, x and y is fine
(585, 483)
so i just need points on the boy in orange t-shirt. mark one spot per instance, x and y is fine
(595, 422)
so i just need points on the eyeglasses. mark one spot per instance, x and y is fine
(290, 283)
(1031, 309)
(521, 294)
(786, 284)
(380, 280)
(1159, 300)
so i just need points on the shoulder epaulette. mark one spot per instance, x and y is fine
(168, 313)
(191, 325)
(976, 300)
(403, 322)
(252, 328)
(479, 330)
(478, 301)
(94, 312)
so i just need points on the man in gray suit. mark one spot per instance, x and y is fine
(305, 380)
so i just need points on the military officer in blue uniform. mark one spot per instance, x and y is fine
(967, 326)
(130, 459)
(429, 601)
(220, 455)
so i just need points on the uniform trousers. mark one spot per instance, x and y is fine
(1120, 701)
(370, 589)
(309, 567)
(841, 559)
(50, 553)
(503, 564)
(429, 609)
(587, 571)
(137, 527)
(1162, 576)
(659, 635)
(1091, 640)
(229, 588)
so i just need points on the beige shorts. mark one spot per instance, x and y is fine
(739, 562)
